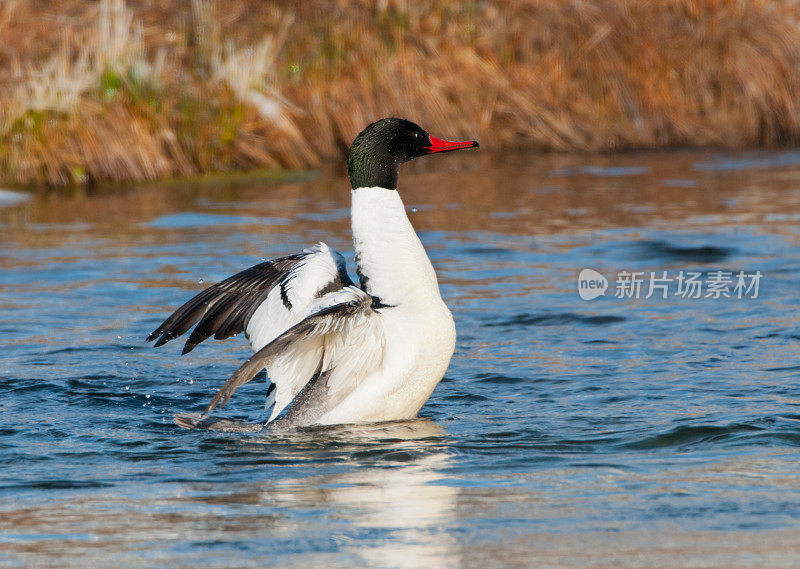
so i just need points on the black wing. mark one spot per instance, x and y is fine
(224, 309)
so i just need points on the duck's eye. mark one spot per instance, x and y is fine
(417, 135)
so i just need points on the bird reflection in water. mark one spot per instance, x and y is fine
(393, 491)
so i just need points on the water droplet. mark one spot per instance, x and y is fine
(119, 337)
(200, 281)
(127, 387)
(147, 396)
(191, 381)
(263, 259)
(414, 210)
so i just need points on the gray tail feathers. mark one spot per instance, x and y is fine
(198, 421)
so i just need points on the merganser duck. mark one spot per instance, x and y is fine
(335, 352)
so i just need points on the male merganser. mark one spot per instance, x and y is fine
(336, 352)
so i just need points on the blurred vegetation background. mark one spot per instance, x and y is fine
(107, 90)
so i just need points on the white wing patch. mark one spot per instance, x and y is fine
(352, 352)
(348, 348)
(292, 300)
(290, 303)
(342, 339)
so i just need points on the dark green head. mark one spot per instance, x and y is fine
(377, 152)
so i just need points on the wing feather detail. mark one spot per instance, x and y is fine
(344, 336)
(316, 333)
(226, 308)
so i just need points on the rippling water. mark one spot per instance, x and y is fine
(566, 433)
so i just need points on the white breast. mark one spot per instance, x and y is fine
(419, 329)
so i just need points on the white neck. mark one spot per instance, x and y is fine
(388, 252)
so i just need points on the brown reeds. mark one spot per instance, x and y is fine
(138, 90)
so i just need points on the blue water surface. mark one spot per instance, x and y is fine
(625, 432)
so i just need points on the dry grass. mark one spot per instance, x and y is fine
(116, 90)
